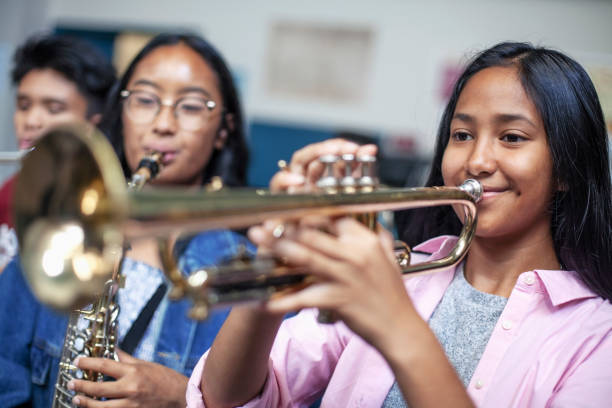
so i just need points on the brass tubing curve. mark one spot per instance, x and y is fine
(251, 285)
(71, 190)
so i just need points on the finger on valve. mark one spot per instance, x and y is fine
(287, 181)
(305, 160)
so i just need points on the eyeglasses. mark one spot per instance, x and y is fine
(191, 113)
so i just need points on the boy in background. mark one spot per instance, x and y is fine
(58, 80)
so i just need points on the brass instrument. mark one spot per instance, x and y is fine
(84, 190)
(92, 331)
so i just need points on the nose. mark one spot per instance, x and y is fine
(482, 160)
(34, 118)
(165, 123)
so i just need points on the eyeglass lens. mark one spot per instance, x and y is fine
(191, 113)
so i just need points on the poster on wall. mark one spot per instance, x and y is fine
(599, 67)
(601, 75)
(314, 61)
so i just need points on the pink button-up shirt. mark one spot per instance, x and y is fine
(552, 347)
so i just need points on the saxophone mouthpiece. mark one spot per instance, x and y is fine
(152, 162)
(148, 168)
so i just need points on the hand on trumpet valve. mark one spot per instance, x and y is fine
(305, 169)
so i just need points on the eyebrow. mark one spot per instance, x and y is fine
(501, 118)
(147, 83)
(464, 117)
(197, 89)
(53, 100)
(44, 99)
(184, 90)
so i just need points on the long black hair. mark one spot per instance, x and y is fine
(231, 161)
(566, 100)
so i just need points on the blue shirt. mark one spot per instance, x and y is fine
(32, 335)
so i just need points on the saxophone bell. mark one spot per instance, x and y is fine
(92, 331)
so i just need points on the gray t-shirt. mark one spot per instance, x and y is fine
(463, 322)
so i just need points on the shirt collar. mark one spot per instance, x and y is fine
(564, 286)
(438, 247)
(561, 286)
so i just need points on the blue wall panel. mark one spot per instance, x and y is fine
(271, 142)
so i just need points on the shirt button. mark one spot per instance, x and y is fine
(529, 279)
(478, 384)
(507, 324)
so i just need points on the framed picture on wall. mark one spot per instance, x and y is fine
(315, 61)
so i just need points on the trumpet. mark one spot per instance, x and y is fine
(73, 211)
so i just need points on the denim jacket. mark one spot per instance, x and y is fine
(32, 335)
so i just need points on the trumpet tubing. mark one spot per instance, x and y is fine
(73, 212)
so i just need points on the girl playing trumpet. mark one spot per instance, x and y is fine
(524, 320)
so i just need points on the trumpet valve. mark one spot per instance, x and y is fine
(348, 182)
(368, 181)
(328, 180)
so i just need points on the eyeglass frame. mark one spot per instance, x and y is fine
(125, 93)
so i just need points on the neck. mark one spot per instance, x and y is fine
(494, 264)
(145, 250)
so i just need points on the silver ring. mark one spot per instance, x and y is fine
(283, 165)
(278, 231)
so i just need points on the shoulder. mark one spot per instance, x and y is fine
(566, 292)
(35, 319)
(582, 347)
(12, 279)
(7, 187)
(6, 197)
(597, 314)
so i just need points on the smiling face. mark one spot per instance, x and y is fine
(174, 73)
(497, 137)
(45, 98)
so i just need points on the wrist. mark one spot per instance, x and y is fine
(409, 342)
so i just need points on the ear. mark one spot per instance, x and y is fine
(227, 125)
(95, 118)
(221, 138)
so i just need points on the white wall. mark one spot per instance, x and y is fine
(18, 19)
(412, 39)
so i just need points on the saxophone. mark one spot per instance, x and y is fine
(92, 332)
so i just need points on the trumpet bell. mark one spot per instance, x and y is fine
(67, 204)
